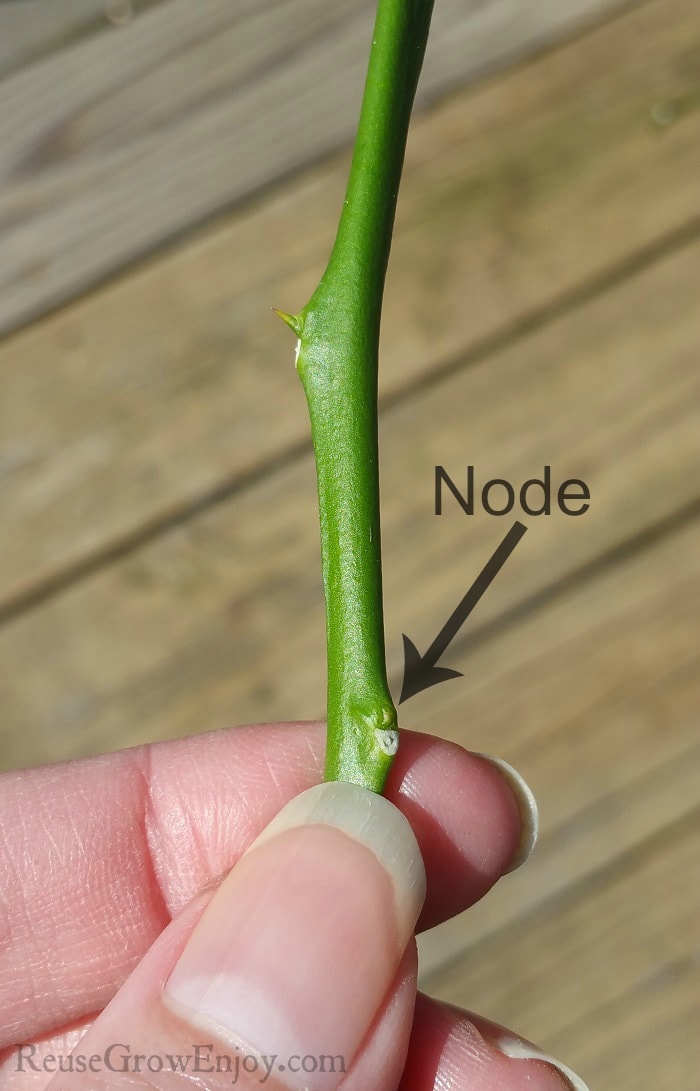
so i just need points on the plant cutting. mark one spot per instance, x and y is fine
(298, 967)
(337, 359)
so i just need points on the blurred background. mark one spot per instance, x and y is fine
(169, 170)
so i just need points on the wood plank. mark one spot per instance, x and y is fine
(34, 29)
(579, 842)
(122, 138)
(648, 1039)
(221, 619)
(603, 980)
(126, 409)
(170, 640)
(593, 697)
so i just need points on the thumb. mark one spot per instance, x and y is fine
(278, 976)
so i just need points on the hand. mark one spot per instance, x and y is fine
(125, 957)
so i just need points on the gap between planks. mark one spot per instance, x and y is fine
(202, 607)
(524, 696)
(126, 137)
(601, 723)
(140, 435)
(62, 580)
(633, 953)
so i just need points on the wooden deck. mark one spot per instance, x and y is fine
(167, 173)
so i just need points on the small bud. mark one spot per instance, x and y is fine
(292, 320)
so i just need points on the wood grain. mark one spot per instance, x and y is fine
(608, 978)
(221, 619)
(159, 565)
(594, 697)
(123, 137)
(34, 29)
(132, 407)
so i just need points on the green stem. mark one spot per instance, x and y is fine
(338, 334)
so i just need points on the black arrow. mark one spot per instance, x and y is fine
(421, 671)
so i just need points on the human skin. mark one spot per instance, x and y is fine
(110, 865)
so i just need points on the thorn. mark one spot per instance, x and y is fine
(294, 321)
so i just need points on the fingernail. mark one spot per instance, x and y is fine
(521, 1050)
(527, 805)
(298, 947)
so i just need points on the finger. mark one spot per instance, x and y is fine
(474, 816)
(448, 1048)
(31, 1065)
(289, 972)
(453, 1050)
(96, 856)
